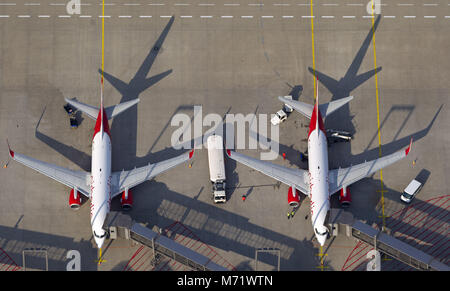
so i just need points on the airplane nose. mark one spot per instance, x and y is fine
(321, 239)
(99, 242)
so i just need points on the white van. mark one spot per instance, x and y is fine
(410, 191)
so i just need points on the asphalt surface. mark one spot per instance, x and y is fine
(230, 57)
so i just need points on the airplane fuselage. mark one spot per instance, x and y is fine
(100, 179)
(318, 176)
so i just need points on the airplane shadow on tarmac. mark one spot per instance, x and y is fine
(215, 226)
(219, 228)
(225, 230)
(124, 126)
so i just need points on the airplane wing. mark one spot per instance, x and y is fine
(291, 177)
(70, 178)
(343, 177)
(127, 179)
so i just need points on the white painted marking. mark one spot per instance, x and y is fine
(255, 4)
(308, 16)
(63, 16)
(4, 16)
(145, 16)
(430, 4)
(131, 4)
(409, 16)
(206, 4)
(205, 16)
(124, 16)
(327, 16)
(226, 16)
(165, 16)
(281, 4)
(355, 4)
(231, 4)
(349, 16)
(267, 16)
(447, 16)
(288, 16)
(104, 16)
(7, 4)
(23, 16)
(32, 4)
(429, 16)
(389, 16)
(330, 4)
(405, 4)
(246, 16)
(181, 4)
(85, 16)
(156, 4)
(186, 16)
(368, 16)
(57, 4)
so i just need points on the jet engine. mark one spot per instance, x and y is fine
(293, 197)
(345, 198)
(74, 199)
(126, 200)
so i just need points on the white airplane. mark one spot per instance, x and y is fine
(318, 183)
(100, 185)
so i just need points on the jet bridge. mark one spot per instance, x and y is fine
(383, 242)
(121, 225)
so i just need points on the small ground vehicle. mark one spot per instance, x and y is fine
(410, 191)
(282, 115)
(334, 135)
(72, 118)
(73, 122)
(279, 117)
(69, 109)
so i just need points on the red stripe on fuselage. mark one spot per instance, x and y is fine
(98, 123)
(314, 116)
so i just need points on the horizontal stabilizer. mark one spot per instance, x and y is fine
(325, 109)
(111, 111)
(89, 110)
(301, 107)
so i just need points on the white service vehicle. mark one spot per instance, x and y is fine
(217, 168)
(282, 115)
(334, 135)
(410, 191)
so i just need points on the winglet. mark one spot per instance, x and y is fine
(409, 148)
(191, 153)
(11, 153)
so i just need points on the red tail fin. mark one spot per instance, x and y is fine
(316, 121)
